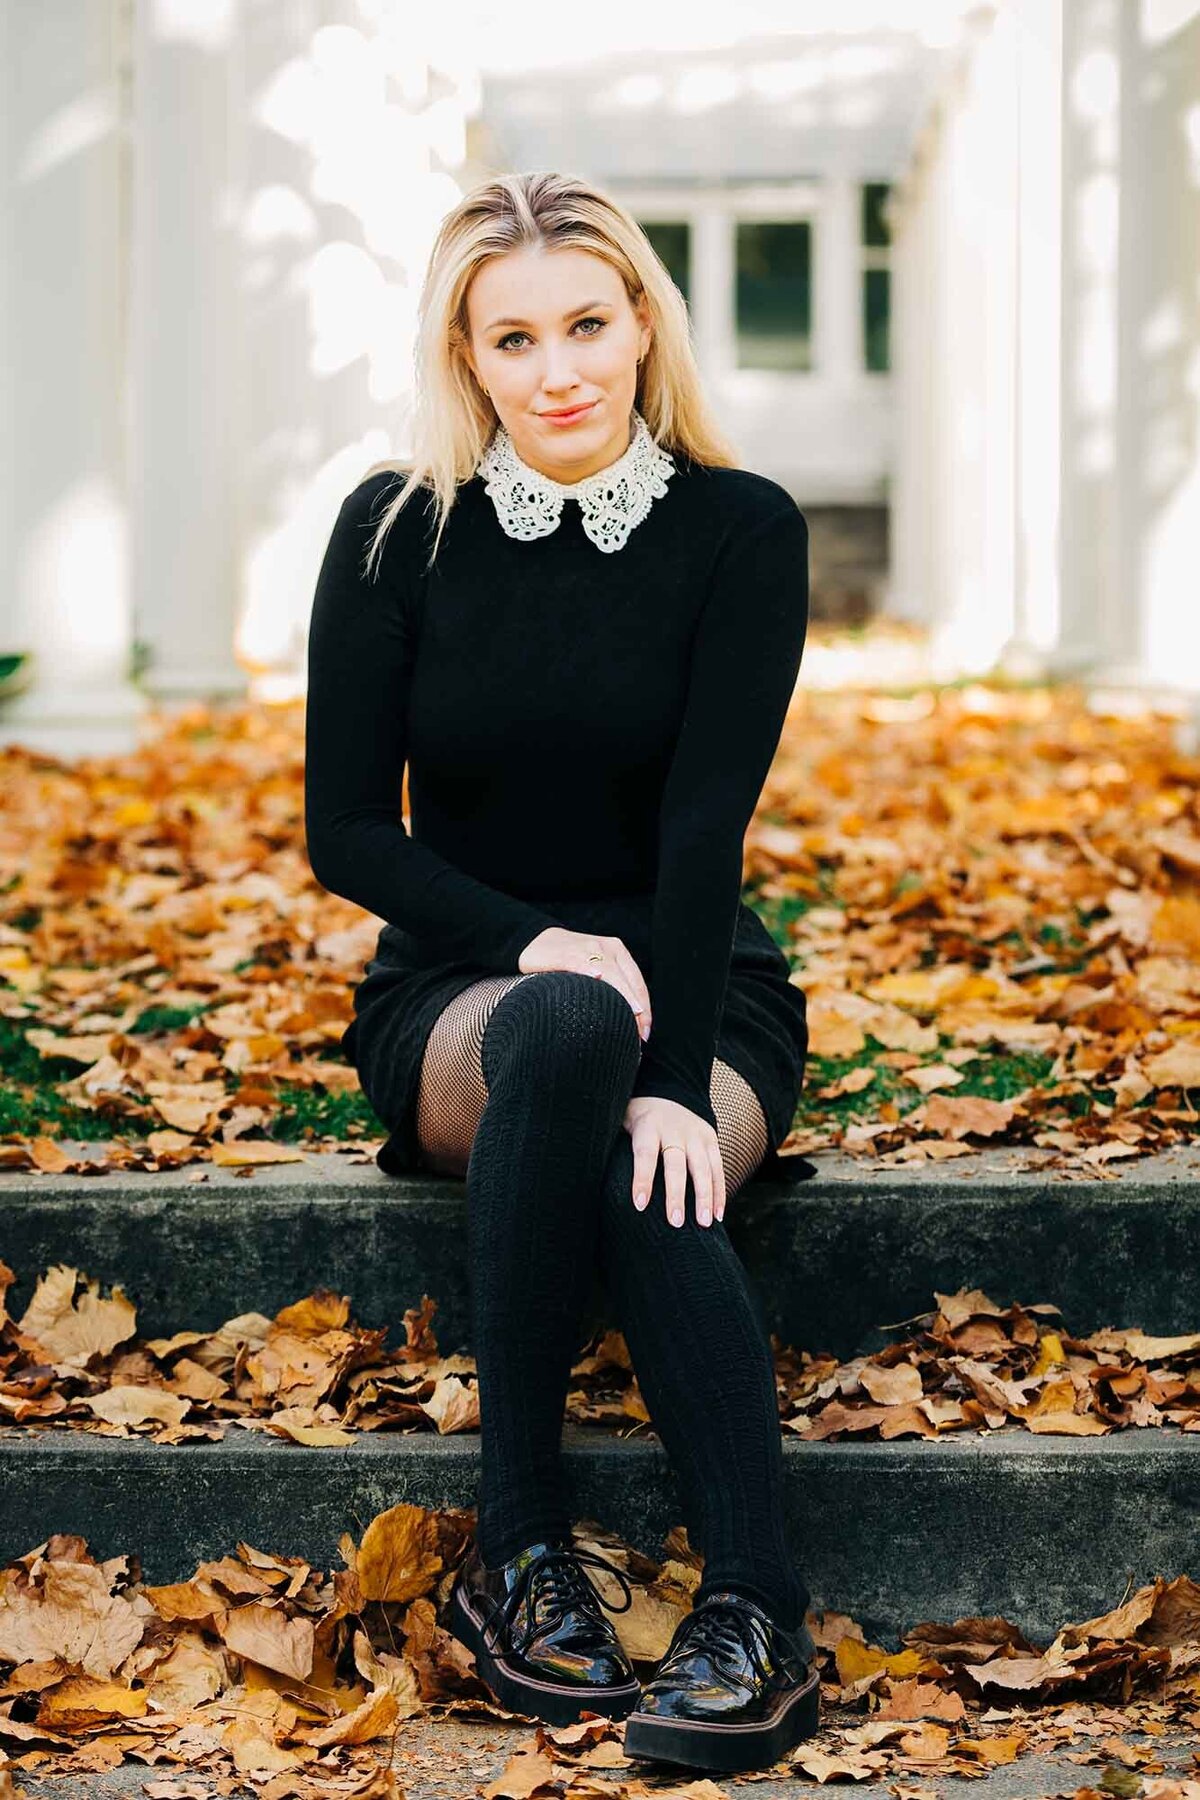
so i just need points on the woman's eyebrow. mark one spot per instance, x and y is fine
(588, 306)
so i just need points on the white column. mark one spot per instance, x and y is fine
(954, 263)
(916, 326)
(1154, 636)
(837, 320)
(1093, 616)
(1039, 354)
(713, 289)
(64, 584)
(188, 377)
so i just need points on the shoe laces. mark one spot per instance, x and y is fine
(723, 1630)
(555, 1572)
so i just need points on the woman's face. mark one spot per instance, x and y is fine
(551, 330)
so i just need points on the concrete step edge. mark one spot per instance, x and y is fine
(891, 1532)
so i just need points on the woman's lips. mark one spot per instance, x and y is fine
(568, 418)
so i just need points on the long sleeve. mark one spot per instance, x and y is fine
(360, 655)
(745, 660)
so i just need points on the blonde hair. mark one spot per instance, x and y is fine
(453, 419)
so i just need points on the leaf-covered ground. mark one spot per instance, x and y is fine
(299, 1683)
(988, 896)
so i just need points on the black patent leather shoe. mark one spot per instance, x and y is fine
(734, 1690)
(540, 1640)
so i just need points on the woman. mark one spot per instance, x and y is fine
(580, 625)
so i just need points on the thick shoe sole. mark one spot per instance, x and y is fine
(727, 1748)
(555, 1702)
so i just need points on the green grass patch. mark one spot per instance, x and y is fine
(307, 1112)
(169, 1018)
(40, 1111)
(996, 1077)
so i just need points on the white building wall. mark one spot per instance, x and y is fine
(65, 531)
(214, 218)
(1047, 348)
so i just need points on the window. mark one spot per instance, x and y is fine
(672, 242)
(774, 294)
(876, 241)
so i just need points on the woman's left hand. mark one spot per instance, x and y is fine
(687, 1144)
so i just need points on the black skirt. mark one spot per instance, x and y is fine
(763, 1031)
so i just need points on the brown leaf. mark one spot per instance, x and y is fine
(73, 1331)
(83, 1702)
(898, 1385)
(398, 1558)
(193, 1670)
(134, 1405)
(317, 1313)
(453, 1406)
(264, 1634)
(954, 1115)
(253, 1154)
(823, 1767)
(71, 1613)
(918, 1699)
(994, 1751)
(375, 1718)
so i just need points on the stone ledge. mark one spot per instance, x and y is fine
(836, 1260)
(892, 1532)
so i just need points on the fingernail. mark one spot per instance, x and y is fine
(639, 1200)
(705, 1219)
(677, 1218)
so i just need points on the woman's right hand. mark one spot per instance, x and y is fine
(558, 948)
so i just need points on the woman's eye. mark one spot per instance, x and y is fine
(507, 340)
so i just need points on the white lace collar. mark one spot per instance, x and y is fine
(612, 500)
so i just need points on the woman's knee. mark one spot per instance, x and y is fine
(565, 1020)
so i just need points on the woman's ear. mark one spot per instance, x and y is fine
(647, 332)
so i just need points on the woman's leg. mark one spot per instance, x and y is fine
(531, 1080)
(699, 1343)
(454, 1094)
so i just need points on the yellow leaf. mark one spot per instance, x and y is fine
(82, 1702)
(243, 1154)
(1050, 1353)
(397, 1559)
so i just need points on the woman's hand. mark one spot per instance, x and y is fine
(603, 957)
(686, 1143)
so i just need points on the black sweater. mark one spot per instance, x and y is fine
(576, 723)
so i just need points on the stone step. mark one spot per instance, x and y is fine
(1044, 1530)
(836, 1259)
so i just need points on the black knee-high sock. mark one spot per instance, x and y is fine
(559, 1056)
(701, 1350)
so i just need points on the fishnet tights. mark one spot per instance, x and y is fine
(453, 1092)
